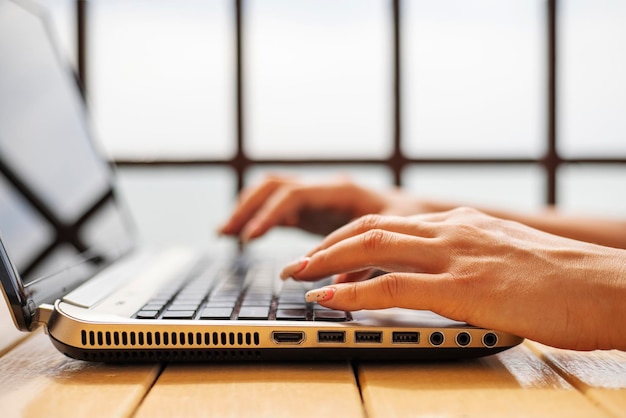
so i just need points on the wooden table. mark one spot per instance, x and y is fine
(530, 380)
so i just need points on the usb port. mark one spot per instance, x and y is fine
(368, 337)
(331, 336)
(401, 337)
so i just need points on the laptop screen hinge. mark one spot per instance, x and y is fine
(43, 314)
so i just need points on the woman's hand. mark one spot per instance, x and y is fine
(315, 207)
(482, 270)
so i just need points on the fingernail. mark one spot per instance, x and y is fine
(320, 295)
(250, 231)
(294, 267)
(222, 229)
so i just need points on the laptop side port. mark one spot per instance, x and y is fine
(490, 339)
(463, 339)
(405, 337)
(436, 338)
(288, 337)
(331, 336)
(368, 336)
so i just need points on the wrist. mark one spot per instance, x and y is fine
(617, 321)
(606, 298)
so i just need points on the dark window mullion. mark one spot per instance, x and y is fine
(552, 160)
(398, 159)
(241, 161)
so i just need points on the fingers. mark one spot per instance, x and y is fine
(403, 290)
(283, 201)
(283, 206)
(279, 207)
(250, 200)
(388, 251)
(415, 226)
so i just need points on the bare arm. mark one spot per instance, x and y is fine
(601, 231)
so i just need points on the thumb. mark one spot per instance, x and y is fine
(404, 290)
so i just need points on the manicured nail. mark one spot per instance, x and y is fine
(250, 231)
(320, 295)
(223, 229)
(294, 267)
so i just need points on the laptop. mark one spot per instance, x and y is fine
(69, 260)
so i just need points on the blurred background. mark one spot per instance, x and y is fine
(517, 104)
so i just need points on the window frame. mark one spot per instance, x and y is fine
(241, 162)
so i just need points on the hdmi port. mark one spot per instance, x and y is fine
(288, 337)
(368, 336)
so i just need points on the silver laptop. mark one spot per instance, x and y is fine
(68, 259)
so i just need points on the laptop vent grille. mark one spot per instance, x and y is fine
(172, 355)
(168, 339)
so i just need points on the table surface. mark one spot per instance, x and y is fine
(529, 380)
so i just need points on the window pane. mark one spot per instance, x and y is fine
(318, 78)
(473, 77)
(592, 64)
(594, 189)
(178, 205)
(161, 77)
(518, 187)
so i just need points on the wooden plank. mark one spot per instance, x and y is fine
(600, 375)
(511, 383)
(36, 380)
(267, 390)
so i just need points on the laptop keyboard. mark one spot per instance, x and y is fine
(245, 292)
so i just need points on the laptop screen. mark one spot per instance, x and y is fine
(59, 219)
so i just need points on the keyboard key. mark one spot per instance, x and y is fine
(146, 314)
(291, 314)
(182, 307)
(254, 312)
(152, 307)
(224, 298)
(291, 297)
(254, 303)
(220, 304)
(189, 299)
(328, 315)
(292, 305)
(258, 299)
(178, 314)
(216, 313)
